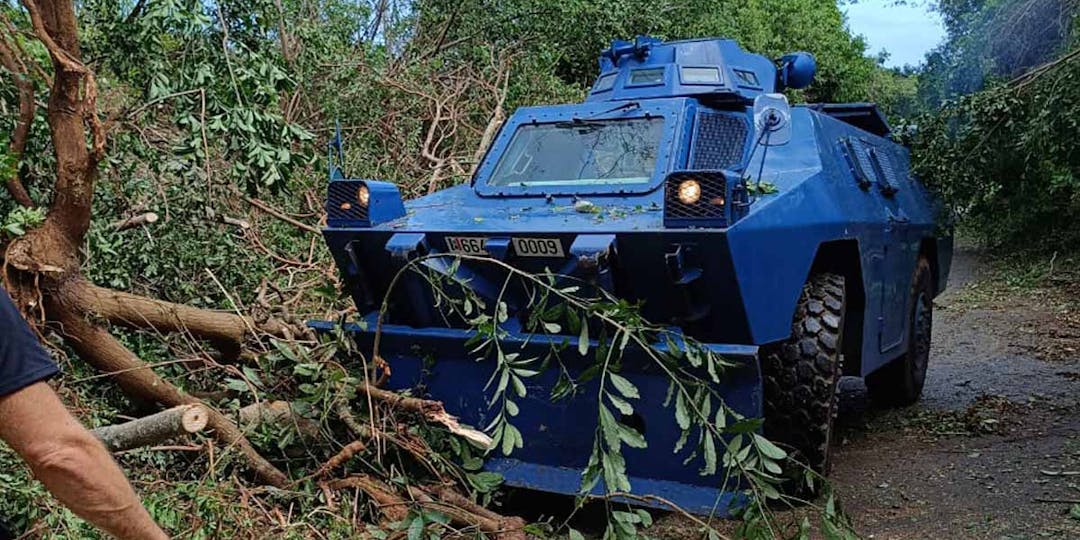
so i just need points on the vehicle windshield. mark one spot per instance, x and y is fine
(581, 152)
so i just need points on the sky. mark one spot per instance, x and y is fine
(907, 32)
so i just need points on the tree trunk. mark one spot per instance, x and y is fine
(134, 311)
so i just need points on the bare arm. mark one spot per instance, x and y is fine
(72, 464)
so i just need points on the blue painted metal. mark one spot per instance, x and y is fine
(797, 70)
(841, 188)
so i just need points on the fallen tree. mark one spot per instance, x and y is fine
(41, 269)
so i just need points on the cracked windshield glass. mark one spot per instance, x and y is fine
(581, 152)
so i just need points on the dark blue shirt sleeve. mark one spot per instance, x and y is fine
(23, 361)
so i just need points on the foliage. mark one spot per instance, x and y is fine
(22, 219)
(556, 37)
(989, 40)
(1006, 158)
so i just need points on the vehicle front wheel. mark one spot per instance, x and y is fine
(900, 382)
(802, 372)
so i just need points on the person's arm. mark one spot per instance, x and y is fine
(74, 466)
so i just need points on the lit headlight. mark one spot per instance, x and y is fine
(697, 198)
(689, 191)
(362, 203)
(363, 195)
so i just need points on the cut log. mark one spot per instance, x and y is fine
(154, 429)
(134, 221)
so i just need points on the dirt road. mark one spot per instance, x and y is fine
(996, 437)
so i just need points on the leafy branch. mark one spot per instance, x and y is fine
(752, 465)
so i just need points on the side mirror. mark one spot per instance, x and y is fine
(797, 70)
(772, 116)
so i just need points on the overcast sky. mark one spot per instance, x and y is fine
(906, 32)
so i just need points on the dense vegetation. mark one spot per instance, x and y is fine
(219, 110)
(1002, 106)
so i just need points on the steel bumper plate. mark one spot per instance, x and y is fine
(558, 435)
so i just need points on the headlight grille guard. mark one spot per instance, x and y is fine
(722, 201)
(344, 209)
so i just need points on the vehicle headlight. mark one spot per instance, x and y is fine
(362, 203)
(363, 195)
(697, 198)
(689, 191)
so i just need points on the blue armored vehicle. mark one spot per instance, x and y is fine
(791, 240)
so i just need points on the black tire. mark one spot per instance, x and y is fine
(801, 373)
(900, 382)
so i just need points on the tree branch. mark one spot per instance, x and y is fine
(27, 108)
(432, 411)
(72, 105)
(100, 349)
(219, 327)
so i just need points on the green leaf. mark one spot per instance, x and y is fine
(486, 481)
(768, 449)
(692, 356)
(620, 404)
(624, 386)
(285, 350)
(645, 517)
(631, 436)
(511, 408)
(710, 454)
(770, 492)
(609, 427)
(682, 415)
(552, 328)
(416, 528)
(583, 339)
(710, 361)
(519, 387)
(1074, 512)
(511, 438)
(573, 534)
(721, 418)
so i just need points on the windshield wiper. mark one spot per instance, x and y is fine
(578, 123)
(624, 106)
(590, 122)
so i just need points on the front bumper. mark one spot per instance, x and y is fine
(558, 435)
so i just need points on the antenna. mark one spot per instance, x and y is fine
(335, 154)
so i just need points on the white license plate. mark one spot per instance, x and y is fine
(538, 247)
(466, 245)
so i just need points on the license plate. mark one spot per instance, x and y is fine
(538, 247)
(466, 245)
